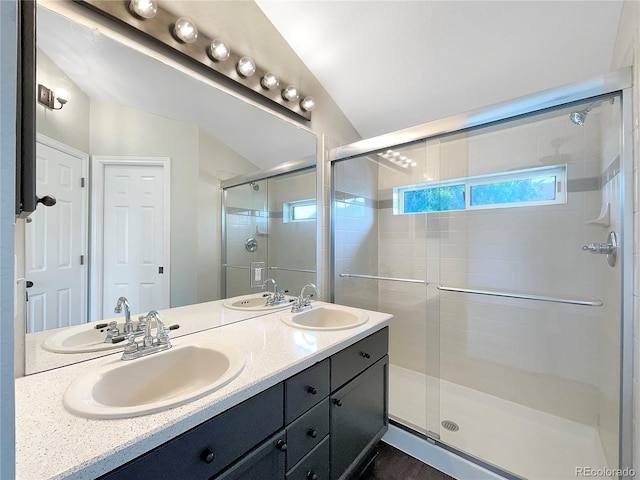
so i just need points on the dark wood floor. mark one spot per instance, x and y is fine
(393, 464)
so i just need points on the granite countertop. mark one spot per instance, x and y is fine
(51, 443)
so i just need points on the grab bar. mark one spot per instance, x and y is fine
(244, 267)
(390, 279)
(541, 298)
(292, 269)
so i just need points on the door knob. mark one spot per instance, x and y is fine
(47, 200)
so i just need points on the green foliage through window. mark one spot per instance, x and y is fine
(535, 186)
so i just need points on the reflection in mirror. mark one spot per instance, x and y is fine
(135, 165)
(270, 225)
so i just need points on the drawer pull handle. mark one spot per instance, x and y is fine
(312, 475)
(207, 455)
(312, 390)
(337, 403)
(282, 445)
(312, 433)
(365, 355)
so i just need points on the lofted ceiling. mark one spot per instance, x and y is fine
(394, 64)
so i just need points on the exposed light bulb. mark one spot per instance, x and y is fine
(246, 67)
(307, 104)
(185, 30)
(219, 51)
(269, 81)
(144, 8)
(414, 164)
(290, 93)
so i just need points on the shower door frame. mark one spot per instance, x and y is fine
(620, 82)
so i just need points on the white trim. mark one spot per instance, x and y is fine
(437, 457)
(84, 238)
(99, 163)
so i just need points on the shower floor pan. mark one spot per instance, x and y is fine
(527, 442)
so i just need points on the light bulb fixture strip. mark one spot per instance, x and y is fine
(160, 27)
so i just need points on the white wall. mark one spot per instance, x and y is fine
(195, 212)
(70, 125)
(216, 162)
(8, 49)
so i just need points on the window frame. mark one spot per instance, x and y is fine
(559, 171)
(288, 210)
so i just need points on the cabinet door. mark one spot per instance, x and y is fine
(267, 461)
(359, 418)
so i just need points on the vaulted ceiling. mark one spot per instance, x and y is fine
(394, 64)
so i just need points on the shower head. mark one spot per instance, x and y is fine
(580, 116)
(254, 186)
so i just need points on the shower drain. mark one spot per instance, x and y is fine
(449, 425)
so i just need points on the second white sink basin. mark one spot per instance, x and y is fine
(123, 389)
(326, 317)
(255, 302)
(80, 339)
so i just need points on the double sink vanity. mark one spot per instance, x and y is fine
(282, 395)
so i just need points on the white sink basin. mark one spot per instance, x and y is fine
(124, 389)
(255, 302)
(80, 339)
(326, 317)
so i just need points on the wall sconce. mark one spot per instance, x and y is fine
(48, 97)
(181, 35)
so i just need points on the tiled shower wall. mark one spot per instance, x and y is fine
(356, 232)
(295, 242)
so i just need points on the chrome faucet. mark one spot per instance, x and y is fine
(277, 297)
(149, 345)
(303, 302)
(128, 325)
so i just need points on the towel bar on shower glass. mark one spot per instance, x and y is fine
(540, 298)
(390, 279)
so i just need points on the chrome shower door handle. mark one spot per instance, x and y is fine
(610, 249)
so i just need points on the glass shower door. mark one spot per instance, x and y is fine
(529, 320)
(380, 263)
(246, 229)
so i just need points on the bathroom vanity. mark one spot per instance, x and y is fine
(308, 405)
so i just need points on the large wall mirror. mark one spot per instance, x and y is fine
(138, 138)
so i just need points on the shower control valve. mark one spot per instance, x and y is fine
(602, 248)
(610, 249)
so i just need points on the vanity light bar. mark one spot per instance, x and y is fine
(236, 67)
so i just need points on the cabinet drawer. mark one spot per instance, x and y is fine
(306, 432)
(349, 362)
(205, 450)
(305, 389)
(313, 466)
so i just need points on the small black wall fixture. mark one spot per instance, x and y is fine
(47, 97)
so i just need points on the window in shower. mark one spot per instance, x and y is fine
(529, 187)
(299, 211)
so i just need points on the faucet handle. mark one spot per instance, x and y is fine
(132, 346)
